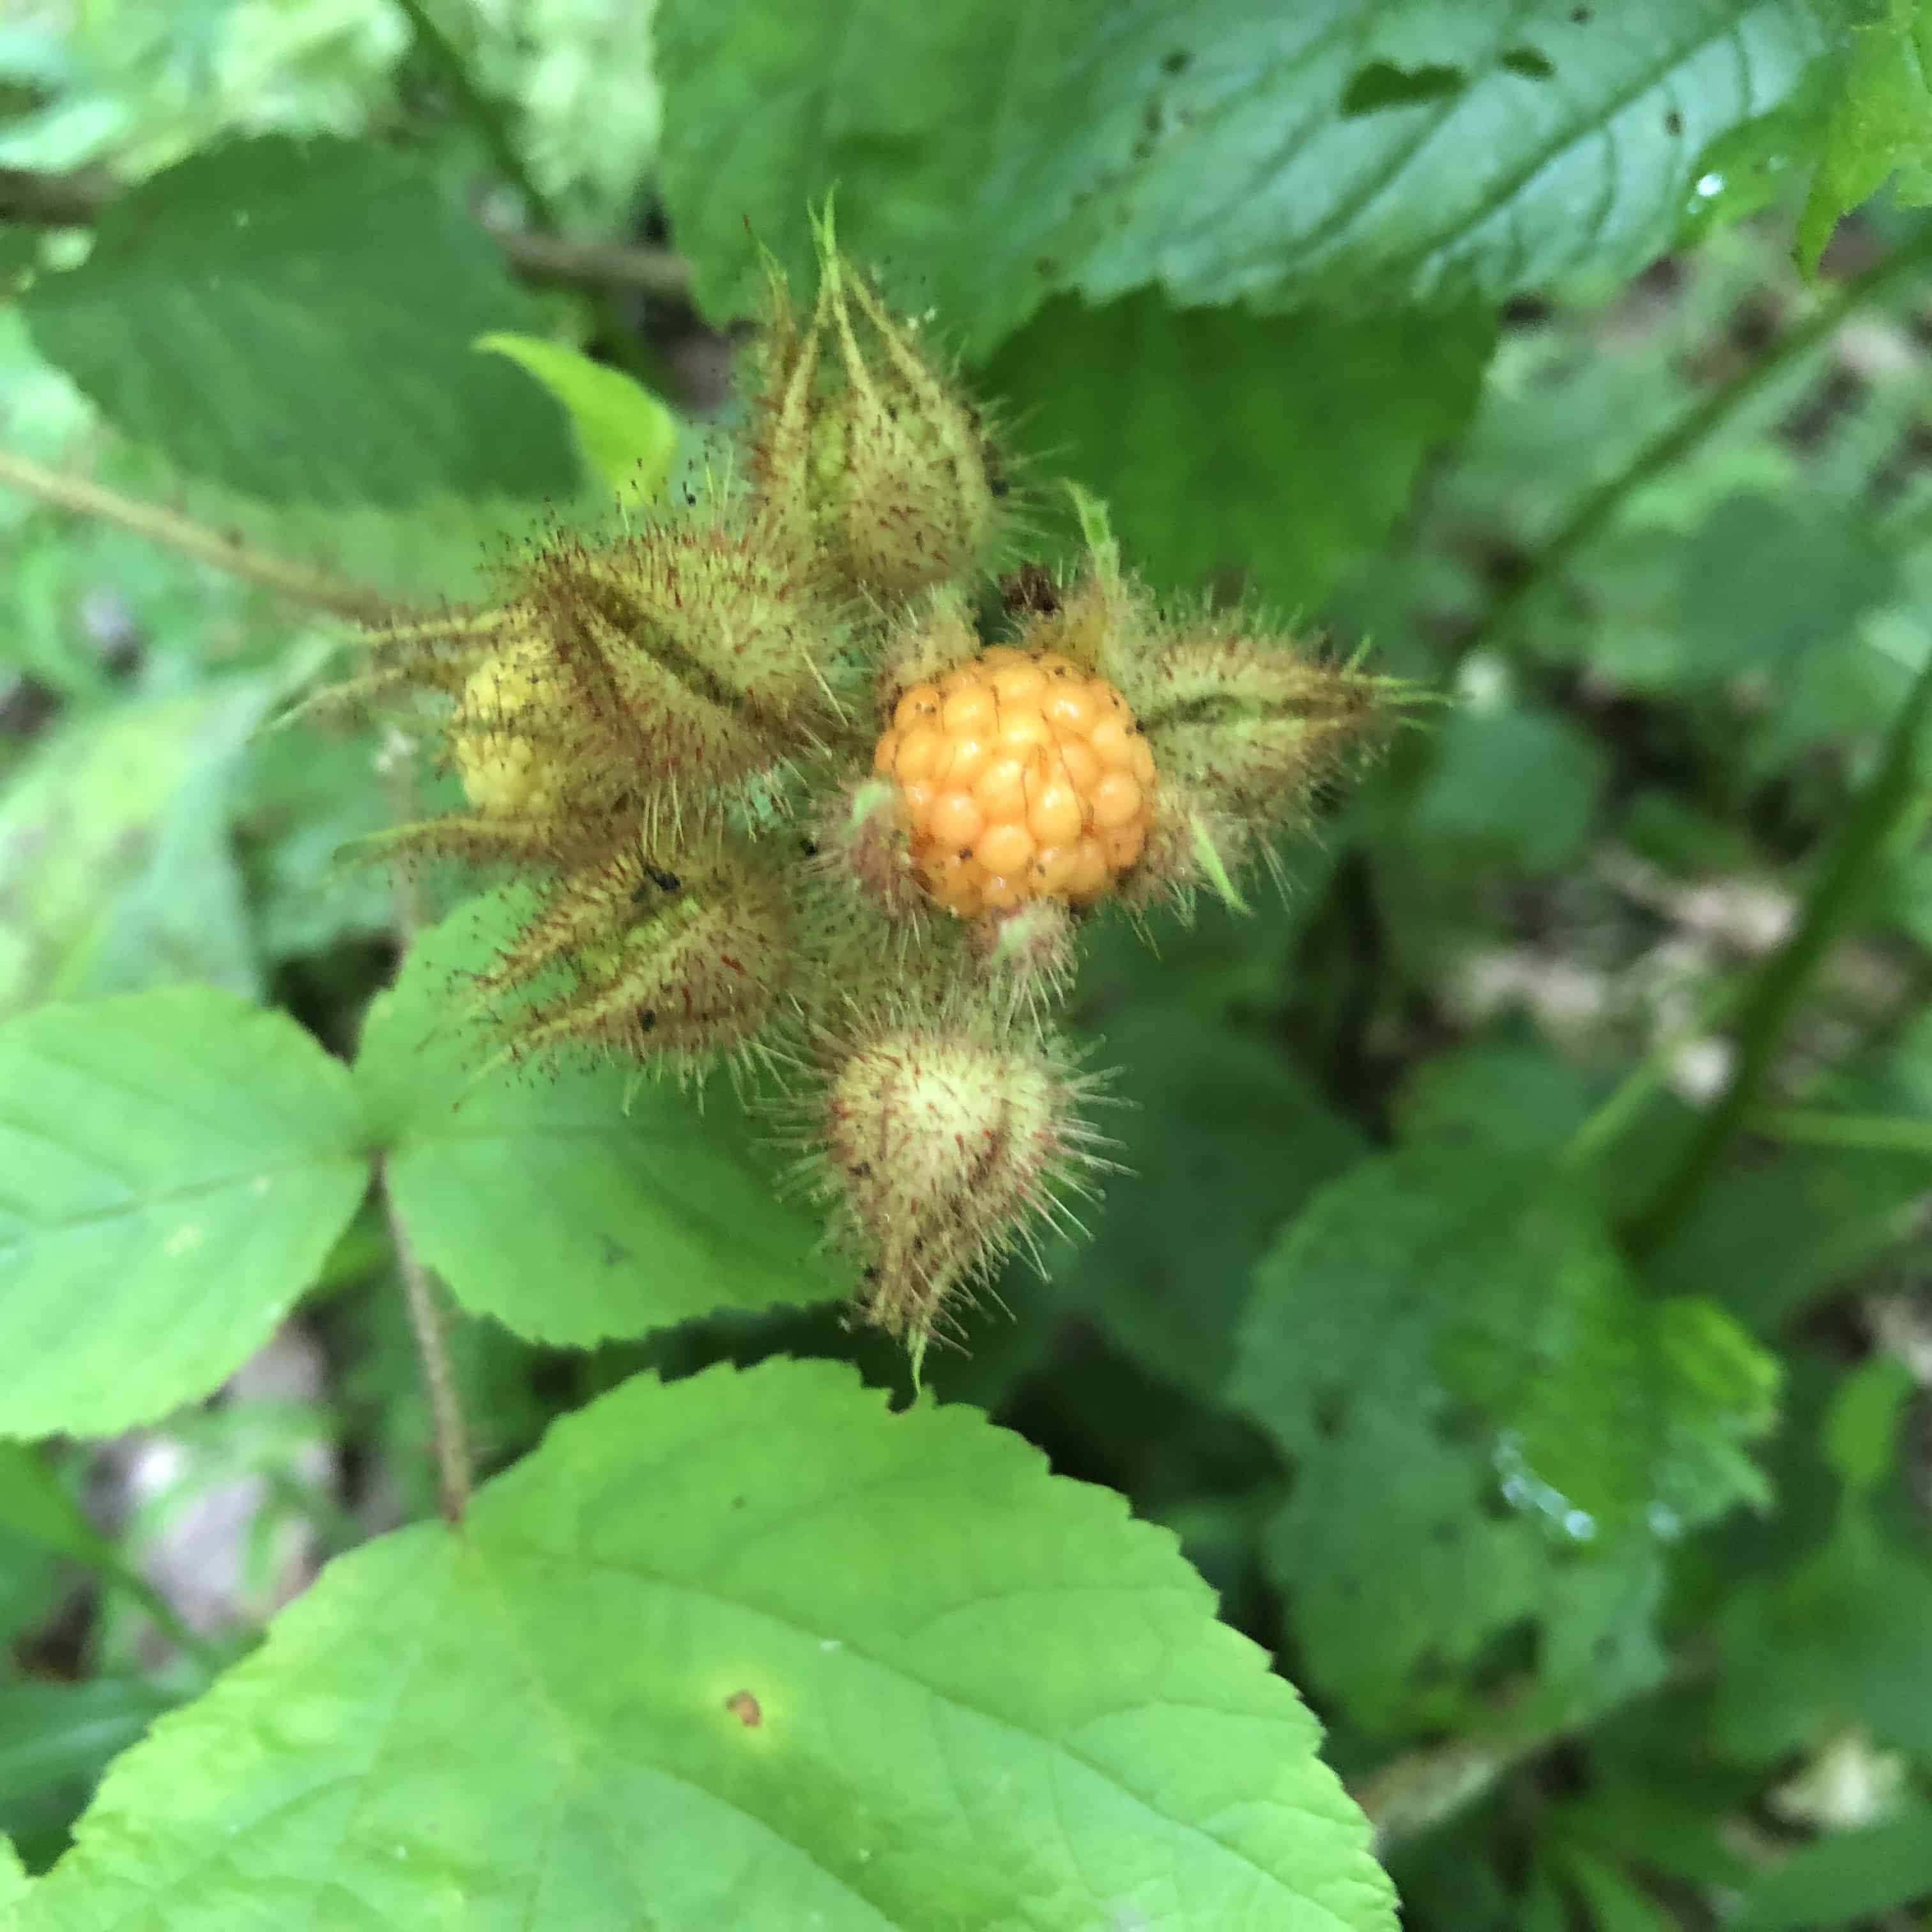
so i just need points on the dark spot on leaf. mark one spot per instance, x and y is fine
(1580, 15)
(1528, 62)
(1381, 84)
(1047, 266)
(609, 1253)
(1330, 1408)
(1176, 62)
(1673, 122)
(745, 1708)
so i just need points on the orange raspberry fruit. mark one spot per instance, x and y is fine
(1021, 777)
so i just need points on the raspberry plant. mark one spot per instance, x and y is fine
(763, 1156)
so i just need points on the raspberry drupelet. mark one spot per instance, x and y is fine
(1021, 777)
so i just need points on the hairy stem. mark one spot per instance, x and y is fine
(426, 1320)
(172, 531)
(1889, 797)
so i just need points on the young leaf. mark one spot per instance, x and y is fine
(293, 319)
(996, 154)
(745, 1650)
(1880, 125)
(1274, 451)
(568, 1211)
(173, 1167)
(625, 434)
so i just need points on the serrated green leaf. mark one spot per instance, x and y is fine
(1486, 1427)
(1221, 1137)
(1233, 151)
(1519, 786)
(1844, 1877)
(1880, 125)
(173, 1167)
(745, 1650)
(1837, 1643)
(1766, 578)
(627, 436)
(542, 1201)
(111, 835)
(14, 1883)
(1270, 452)
(293, 320)
(57, 1735)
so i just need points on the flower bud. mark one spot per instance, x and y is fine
(656, 964)
(940, 1143)
(875, 455)
(695, 660)
(1254, 726)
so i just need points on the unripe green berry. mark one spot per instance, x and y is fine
(941, 1142)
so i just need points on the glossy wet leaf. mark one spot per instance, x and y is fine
(1880, 124)
(745, 1649)
(1234, 152)
(174, 1165)
(552, 1198)
(1439, 1347)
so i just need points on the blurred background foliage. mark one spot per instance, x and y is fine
(1574, 1458)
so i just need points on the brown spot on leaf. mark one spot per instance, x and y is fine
(745, 1708)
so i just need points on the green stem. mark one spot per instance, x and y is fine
(1870, 1133)
(1889, 797)
(1601, 505)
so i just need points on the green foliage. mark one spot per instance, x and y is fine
(177, 1166)
(112, 865)
(745, 1647)
(1317, 469)
(566, 1207)
(1854, 1875)
(627, 436)
(1597, 1539)
(1232, 154)
(1487, 1425)
(276, 273)
(1880, 125)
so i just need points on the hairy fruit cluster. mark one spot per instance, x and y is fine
(774, 787)
(1020, 777)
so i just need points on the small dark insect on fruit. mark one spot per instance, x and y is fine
(1030, 591)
